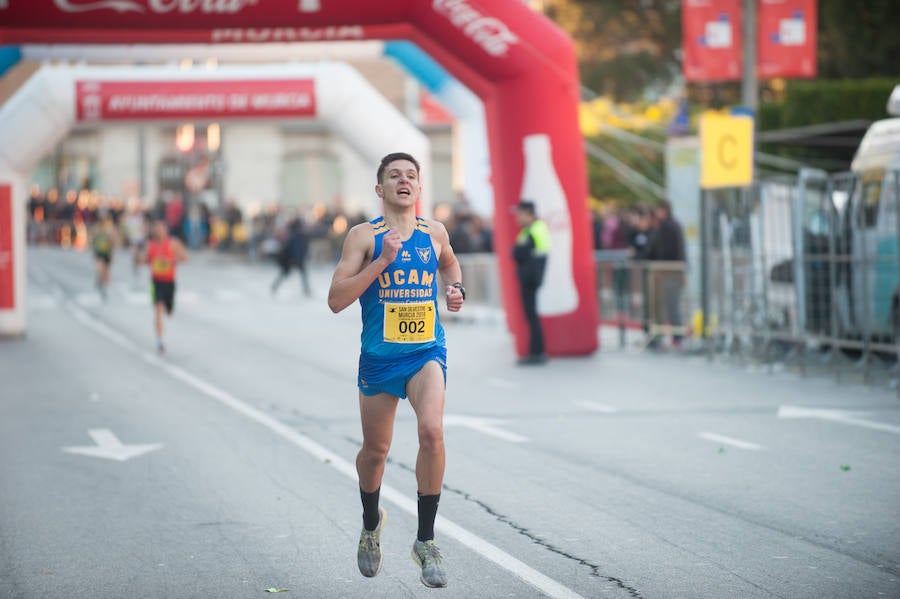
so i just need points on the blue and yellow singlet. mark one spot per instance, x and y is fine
(399, 309)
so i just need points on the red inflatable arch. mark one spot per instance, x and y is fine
(518, 62)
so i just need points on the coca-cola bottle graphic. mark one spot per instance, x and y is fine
(557, 295)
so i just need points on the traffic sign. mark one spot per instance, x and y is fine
(726, 150)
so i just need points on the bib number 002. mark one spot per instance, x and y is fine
(409, 323)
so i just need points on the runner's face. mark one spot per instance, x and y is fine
(400, 184)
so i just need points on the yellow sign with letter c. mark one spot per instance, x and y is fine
(726, 150)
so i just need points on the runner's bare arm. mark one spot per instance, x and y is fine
(352, 276)
(448, 266)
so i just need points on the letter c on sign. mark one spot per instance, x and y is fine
(726, 158)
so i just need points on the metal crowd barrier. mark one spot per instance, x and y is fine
(633, 295)
(803, 272)
(800, 273)
(651, 296)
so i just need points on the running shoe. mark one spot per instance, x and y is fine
(427, 555)
(368, 556)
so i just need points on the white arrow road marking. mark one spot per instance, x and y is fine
(842, 416)
(594, 406)
(716, 438)
(109, 447)
(488, 426)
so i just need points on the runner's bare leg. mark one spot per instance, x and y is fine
(426, 395)
(377, 416)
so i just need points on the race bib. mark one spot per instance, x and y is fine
(409, 323)
(160, 266)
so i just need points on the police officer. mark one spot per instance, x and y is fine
(530, 253)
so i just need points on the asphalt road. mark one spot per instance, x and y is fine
(226, 464)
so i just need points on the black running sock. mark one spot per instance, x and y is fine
(370, 508)
(428, 505)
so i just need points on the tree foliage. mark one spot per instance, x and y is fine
(807, 103)
(624, 46)
(627, 48)
(608, 185)
(858, 39)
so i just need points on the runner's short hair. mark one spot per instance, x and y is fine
(392, 157)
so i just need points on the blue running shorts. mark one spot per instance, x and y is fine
(390, 374)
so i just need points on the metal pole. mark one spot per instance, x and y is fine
(749, 82)
(142, 166)
(866, 283)
(704, 270)
(764, 267)
(834, 229)
(895, 175)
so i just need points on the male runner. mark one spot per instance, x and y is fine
(136, 228)
(103, 241)
(389, 265)
(163, 253)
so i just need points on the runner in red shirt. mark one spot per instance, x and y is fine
(163, 253)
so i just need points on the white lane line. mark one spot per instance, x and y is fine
(842, 416)
(488, 426)
(594, 406)
(42, 301)
(88, 300)
(188, 297)
(502, 383)
(716, 438)
(517, 568)
(227, 296)
(98, 327)
(136, 298)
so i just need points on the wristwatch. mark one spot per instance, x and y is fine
(461, 289)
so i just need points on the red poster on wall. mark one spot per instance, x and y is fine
(711, 40)
(786, 38)
(127, 100)
(7, 280)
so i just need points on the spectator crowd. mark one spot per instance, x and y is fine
(66, 219)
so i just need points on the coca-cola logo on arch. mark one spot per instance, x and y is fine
(156, 6)
(490, 33)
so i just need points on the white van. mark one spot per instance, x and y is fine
(866, 293)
